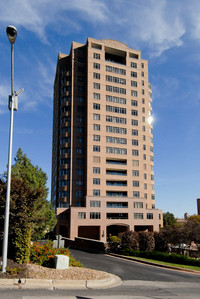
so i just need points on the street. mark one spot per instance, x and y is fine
(139, 281)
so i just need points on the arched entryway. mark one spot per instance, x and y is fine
(115, 229)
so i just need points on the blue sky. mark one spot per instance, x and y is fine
(168, 34)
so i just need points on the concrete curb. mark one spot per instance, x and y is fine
(27, 283)
(153, 264)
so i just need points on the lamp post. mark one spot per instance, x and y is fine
(12, 105)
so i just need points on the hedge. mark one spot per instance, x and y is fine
(162, 256)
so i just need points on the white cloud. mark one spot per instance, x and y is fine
(36, 15)
(155, 24)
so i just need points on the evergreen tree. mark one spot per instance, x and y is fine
(31, 215)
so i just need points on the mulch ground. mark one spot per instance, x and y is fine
(11, 266)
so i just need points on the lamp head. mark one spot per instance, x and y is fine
(11, 33)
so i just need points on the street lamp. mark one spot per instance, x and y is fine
(12, 105)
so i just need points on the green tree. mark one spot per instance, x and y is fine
(31, 215)
(192, 229)
(168, 219)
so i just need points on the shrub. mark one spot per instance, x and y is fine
(160, 242)
(129, 240)
(162, 256)
(115, 239)
(44, 254)
(114, 243)
(146, 241)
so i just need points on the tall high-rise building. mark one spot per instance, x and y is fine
(102, 155)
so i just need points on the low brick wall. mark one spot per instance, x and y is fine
(85, 244)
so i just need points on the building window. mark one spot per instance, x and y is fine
(134, 74)
(96, 106)
(115, 119)
(96, 56)
(115, 80)
(115, 70)
(96, 148)
(95, 215)
(138, 215)
(79, 171)
(145, 186)
(96, 127)
(115, 150)
(96, 192)
(149, 215)
(79, 140)
(136, 183)
(116, 193)
(134, 142)
(134, 93)
(79, 193)
(96, 137)
(96, 169)
(81, 215)
(63, 183)
(135, 132)
(142, 91)
(79, 150)
(134, 83)
(96, 181)
(136, 194)
(142, 65)
(135, 162)
(116, 130)
(96, 85)
(134, 112)
(135, 152)
(96, 96)
(117, 140)
(79, 182)
(96, 159)
(96, 116)
(95, 204)
(96, 66)
(134, 65)
(115, 89)
(96, 75)
(135, 172)
(115, 99)
(115, 109)
(142, 74)
(134, 122)
(138, 205)
(79, 119)
(134, 102)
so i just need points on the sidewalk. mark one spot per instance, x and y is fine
(110, 282)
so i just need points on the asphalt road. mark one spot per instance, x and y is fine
(130, 270)
(140, 281)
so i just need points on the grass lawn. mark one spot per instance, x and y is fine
(165, 263)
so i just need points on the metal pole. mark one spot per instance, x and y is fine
(7, 208)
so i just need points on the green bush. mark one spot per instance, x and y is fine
(44, 254)
(129, 240)
(146, 241)
(115, 239)
(160, 242)
(162, 256)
